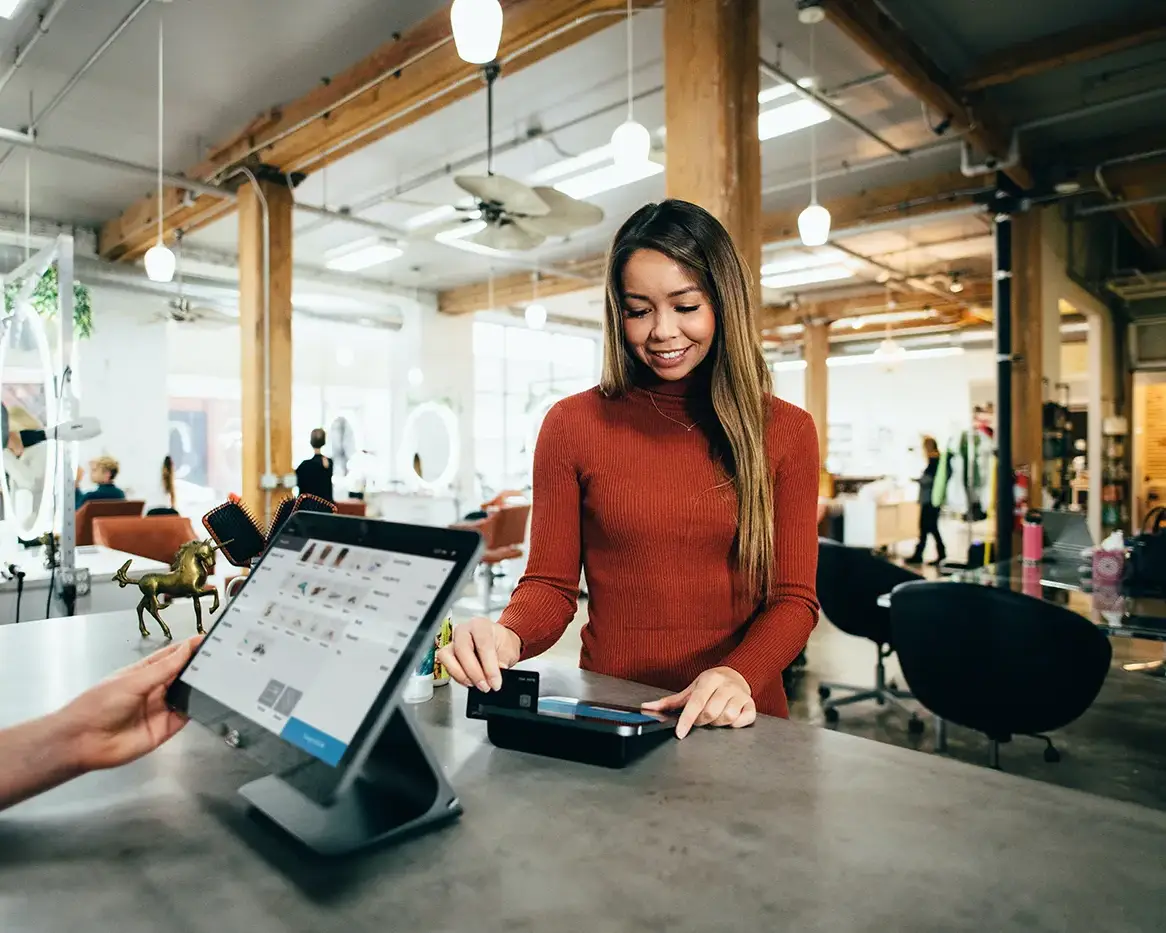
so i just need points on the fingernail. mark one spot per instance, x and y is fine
(496, 683)
(483, 686)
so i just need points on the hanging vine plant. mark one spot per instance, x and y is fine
(44, 301)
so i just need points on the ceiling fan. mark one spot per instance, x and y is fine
(515, 216)
(181, 310)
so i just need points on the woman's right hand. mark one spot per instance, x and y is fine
(479, 652)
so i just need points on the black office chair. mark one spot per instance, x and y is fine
(996, 661)
(850, 581)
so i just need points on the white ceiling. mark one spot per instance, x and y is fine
(229, 59)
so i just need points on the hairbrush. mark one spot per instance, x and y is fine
(283, 512)
(310, 503)
(234, 529)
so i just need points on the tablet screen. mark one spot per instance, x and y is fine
(307, 646)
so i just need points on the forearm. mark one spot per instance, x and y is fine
(36, 756)
(539, 611)
(774, 639)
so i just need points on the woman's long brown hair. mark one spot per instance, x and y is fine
(168, 479)
(690, 236)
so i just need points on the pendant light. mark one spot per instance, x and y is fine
(631, 143)
(536, 312)
(477, 29)
(814, 221)
(160, 261)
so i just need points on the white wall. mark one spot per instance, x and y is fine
(121, 372)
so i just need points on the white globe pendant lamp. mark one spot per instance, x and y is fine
(814, 221)
(477, 29)
(814, 225)
(536, 316)
(160, 261)
(631, 143)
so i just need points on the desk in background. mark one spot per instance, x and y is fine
(779, 826)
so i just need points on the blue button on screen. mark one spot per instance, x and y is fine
(313, 741)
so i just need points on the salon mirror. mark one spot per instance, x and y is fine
(429, 449)
(29, 400)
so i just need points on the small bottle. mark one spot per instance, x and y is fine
(1032, 542)
(420, 685)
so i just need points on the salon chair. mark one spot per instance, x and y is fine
(353, 507)
(103, 508)
(504, 534)
(154, 537)
(850, 582)
(998, 662)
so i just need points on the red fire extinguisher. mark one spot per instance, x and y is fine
(1019, 496)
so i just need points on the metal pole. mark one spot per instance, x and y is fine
(1002, 312)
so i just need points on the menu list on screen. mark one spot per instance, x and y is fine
(307, 646)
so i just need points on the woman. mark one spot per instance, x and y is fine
(687, 491)
(164, 501)
(928, 513)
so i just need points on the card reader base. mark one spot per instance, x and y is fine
(554, 740)
(401, 792)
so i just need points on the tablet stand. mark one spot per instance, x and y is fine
(400, 792)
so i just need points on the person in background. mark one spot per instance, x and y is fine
(928, 513)
(102, 471)
(164, 501)
(314, 475)
(683, 485)
(121, 719)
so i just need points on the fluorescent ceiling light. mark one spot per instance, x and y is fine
(456, 237)
(869, 359)
(570, 166)
(437, 214)
(888, 317)
(808, 277)
(361, 254)
(9, 7)
(789, 118)
(776, 92)
(796, 261)
(608, 178)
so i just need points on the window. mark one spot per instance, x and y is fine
(516, 371)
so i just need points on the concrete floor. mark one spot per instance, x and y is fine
(1116, 749)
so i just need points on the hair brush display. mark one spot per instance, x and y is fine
(194, 562)
(240, 535)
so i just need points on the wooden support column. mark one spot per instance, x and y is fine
(815, 348)
(711, 81)
(1028, 393)
(266, 386)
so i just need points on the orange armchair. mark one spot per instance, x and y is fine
(154, 537)
(103, 508)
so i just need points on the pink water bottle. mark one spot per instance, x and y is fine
(1032, 541)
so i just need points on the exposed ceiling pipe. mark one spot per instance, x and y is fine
(80, 73)
(896, 223)
(43, 22)
(865, 166)
(810, 94)
(1119, 205)
(343, 216)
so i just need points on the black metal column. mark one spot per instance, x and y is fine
(1002, 316)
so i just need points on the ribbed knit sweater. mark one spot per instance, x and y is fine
(626, 489)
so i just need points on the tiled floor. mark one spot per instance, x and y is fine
(1117, 749)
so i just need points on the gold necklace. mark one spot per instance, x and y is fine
(687, 427)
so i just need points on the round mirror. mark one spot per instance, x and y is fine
(29, 400)
(429, 450)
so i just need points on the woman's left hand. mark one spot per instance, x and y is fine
(718, 697)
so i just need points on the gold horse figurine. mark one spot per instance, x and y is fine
(191, 566)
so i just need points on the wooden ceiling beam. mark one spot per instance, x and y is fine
(773, 316)
(1070, 47)
(864, 22)
(397, 85)
(518, 288)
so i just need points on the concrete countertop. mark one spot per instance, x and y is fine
(778, 827)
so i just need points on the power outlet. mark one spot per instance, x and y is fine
(78, 577)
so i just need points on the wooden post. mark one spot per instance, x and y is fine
(815, 348)
(711, 83)
(273, 393)
(1028, 351)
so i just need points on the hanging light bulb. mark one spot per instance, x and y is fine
(536, 316)
(477, 29)
(160, 261)
(415, 377)
(814, 225)
(631, 143)
(814, 221)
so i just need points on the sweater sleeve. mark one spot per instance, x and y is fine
(780, 630)
(544, 602)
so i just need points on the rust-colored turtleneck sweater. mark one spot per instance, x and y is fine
(626, 487)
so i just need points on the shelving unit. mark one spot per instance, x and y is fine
(1115, 476)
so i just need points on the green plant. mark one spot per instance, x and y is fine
(44, 301)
